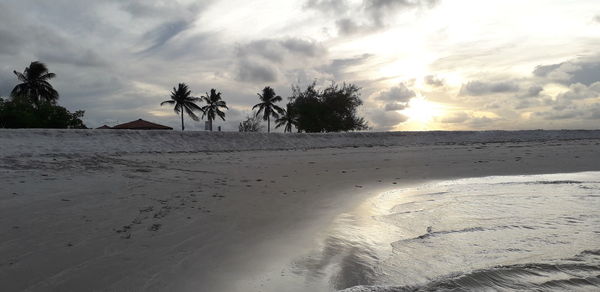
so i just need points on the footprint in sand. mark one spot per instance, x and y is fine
(155, 227)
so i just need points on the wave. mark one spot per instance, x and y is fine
(569, 275)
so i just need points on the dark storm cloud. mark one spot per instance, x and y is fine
(583, 70)
(479, 88)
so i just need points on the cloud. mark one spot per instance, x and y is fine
(585, 70)
(562, 115)
(379, 10)
(455, 118)
(164, 32)
(339, 67)
(395, 106)
(386, 120)
(479, 88)
(400, 93)
(10, 42)
(255, 71)
(365, 16)
(580, 91)
(433, 81)
(533, 91)
(597, 18)
(266, 60)
(482, 122)
(327, 6)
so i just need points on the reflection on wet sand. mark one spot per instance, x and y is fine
(503, 233)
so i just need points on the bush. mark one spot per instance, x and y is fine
(251, 124)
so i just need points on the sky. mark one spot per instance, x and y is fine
(421, 64)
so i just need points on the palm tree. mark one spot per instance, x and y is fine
(35, 85)
(267, 106)
(287, 120)
(184, 102)
(213, 106)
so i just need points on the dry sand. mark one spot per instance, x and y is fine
(214, 221)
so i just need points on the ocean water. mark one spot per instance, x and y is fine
(536, 232)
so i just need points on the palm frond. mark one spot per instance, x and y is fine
(191, 113)
(20, 76)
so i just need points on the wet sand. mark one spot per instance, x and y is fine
(214, 221)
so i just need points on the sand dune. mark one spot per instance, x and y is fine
(161, 211)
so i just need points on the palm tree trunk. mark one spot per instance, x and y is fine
(182, 127)
(210, 121)
(268, 124)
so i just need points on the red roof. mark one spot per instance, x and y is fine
(104, 127)
(141, 125)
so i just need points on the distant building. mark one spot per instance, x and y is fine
(141, 125)
(104, 127)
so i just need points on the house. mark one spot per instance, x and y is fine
(141, 125)
(104, 127)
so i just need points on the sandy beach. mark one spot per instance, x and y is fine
(215, 220)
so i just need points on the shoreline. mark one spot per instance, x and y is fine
(221, 215)
(32, 142)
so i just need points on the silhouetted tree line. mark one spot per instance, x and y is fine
(311, 110)
(32, 103)
(333, 109)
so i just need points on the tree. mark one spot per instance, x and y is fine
(184, 102)
(19, 112)
(287, 120)
(332, 109)
(251, 124)
(267, 106)
(213, 106)
(34, 84)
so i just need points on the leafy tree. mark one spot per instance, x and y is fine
(267, 106)
(33, 103)
(19, 112)
(287, 120)
(251, 124)
(184, 102)
(34, 84)
(213, 106)
(332, 109)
